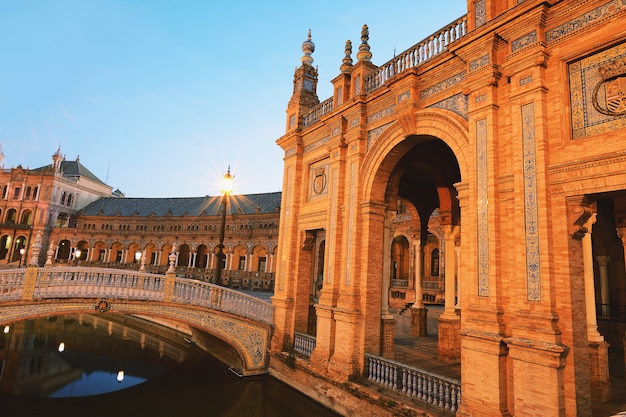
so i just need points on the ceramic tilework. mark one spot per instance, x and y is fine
(480, 13)
(373, 134)
(483, 207)
(584, 76)
(457, 103)
(479, 63)
(533, 273)
(524, 41)
(587, 19)
(380, 114)
(316, 144)
(437, 88)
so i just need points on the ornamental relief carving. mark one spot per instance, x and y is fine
(614, 84)
(598, 92)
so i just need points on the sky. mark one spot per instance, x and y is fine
(159, 97)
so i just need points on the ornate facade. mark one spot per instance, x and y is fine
(491, 153)
(36, 201)
(78, 219)
(142, 232)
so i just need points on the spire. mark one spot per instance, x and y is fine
(1, 157)
(364, 53)
(57, 158)
(308, 47)
(347, 59)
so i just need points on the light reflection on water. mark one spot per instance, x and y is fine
(163, 375)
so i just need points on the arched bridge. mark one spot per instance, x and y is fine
(242, 321)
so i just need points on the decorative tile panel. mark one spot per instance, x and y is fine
(373, 134)
(584, 20)
(586, 85)
(479, 63)
(316, 144)
(524, 41)
(380, 114)
(439, 87)
(480, 13)
(531, 221)
(457, 103)
(482, 177)
(319, 179)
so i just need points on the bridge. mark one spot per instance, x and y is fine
(242, 321)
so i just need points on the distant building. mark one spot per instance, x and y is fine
(36, 201)
(80, 220)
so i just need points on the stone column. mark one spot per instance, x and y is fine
(621, 232)
(598, 348)
(388, 322)
(603, 262)
(419, 314)
(449, 343)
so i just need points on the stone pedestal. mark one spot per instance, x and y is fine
(449, 343)
(600, 382)
(419, 320)
(389, 327)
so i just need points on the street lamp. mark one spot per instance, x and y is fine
(137, 257)
(77, 254)
(22, 251)
(226, 189)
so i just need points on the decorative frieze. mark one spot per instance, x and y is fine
(482, 177)
(456, 103)
(445, 84)
(587, 19)
(524, 41)
(531, 217)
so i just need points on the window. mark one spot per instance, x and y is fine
(262, 263)
(16, 193)
(242, 263)
(434, 263)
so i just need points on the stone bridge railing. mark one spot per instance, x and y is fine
(35, 283)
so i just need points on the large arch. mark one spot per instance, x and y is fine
(420, 159)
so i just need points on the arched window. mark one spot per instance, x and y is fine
(434, 263)
(63, 198)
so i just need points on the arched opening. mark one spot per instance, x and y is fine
(202, 256)
(64, 250)
(183, 255)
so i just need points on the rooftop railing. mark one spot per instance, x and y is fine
(432, 46)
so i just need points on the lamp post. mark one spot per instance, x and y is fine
(22, 251)
(137, 257)
(226, 189)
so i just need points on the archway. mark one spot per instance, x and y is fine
(420, 164)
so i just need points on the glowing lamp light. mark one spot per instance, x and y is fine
(61, 347)
(120, 375)
(7, 329)
(227, 183)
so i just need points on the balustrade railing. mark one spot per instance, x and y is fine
(303, 344)
(203, 294)
(419, 53)
(438, 391)
(611, 312)
(80, 282)
(318, 111)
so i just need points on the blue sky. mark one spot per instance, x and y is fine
(158, 98)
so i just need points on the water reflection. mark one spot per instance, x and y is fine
(162, 374)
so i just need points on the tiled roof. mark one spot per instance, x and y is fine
(72, 169)
(183, 206)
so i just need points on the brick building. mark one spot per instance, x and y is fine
(487, 160)
(36, 201)
(80, 220)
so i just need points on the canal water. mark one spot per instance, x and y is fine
(110, 365)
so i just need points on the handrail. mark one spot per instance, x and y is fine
(81, 282)
(438, 391)
(419, 53)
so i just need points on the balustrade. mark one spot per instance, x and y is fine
(303, 344)
(434, 45)
(81, 282)
(435, 390)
